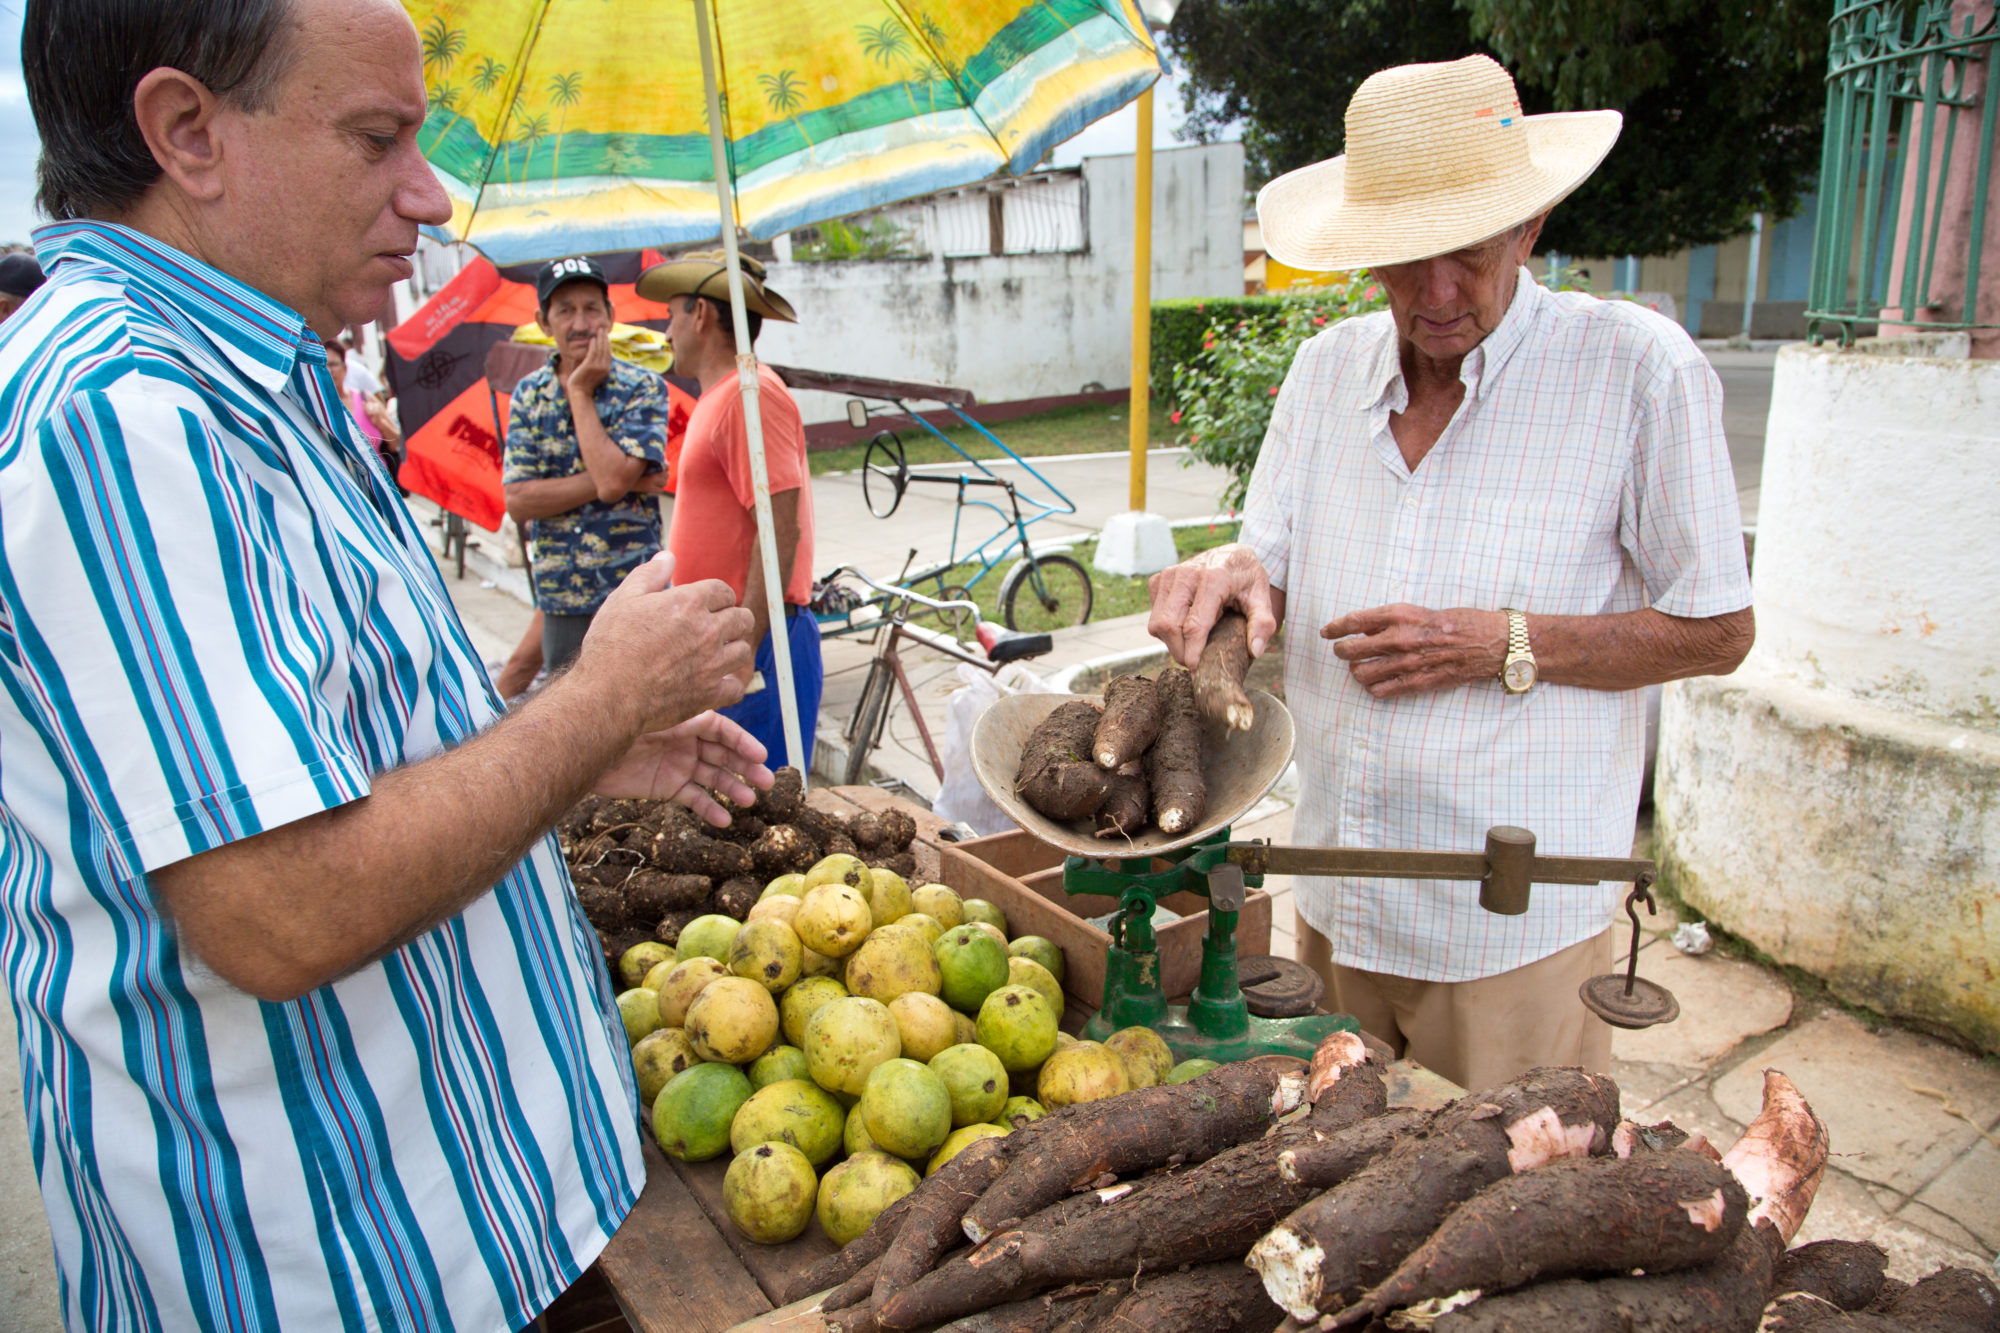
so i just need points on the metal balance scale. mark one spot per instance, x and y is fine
(1241, 768)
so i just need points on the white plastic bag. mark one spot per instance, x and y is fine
(961, 798)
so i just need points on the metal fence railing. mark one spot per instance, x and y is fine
(1907, 82)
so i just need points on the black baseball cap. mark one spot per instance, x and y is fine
(20, 274)
(577, 268)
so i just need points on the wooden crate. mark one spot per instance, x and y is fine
(1022, 876)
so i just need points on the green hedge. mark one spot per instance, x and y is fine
(1180, 325)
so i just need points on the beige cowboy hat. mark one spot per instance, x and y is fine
(705, 273)
(1439, 157)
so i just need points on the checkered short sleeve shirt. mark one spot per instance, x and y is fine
(1585, 473)
(216, 617)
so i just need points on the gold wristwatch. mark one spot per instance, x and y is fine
(1517, 673)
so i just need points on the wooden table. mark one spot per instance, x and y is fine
(679, 1266)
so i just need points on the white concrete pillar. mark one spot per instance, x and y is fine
(1837, 800)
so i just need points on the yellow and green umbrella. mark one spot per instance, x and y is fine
(578, 126)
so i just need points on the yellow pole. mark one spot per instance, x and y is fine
(1142, 296)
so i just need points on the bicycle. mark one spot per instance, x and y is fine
(1040, 592)
(886, 673)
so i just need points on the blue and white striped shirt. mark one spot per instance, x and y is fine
(217, 617)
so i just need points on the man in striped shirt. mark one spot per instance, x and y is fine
(312, 1032)
(1505, 511)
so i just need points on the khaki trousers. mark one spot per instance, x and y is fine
(1477, 1033)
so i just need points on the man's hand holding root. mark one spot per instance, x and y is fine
(1190, 597)
(1398, 650)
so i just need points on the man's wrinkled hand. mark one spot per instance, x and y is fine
(1401, 649)
(1190, 597)
(667, 653)
(595, 367)
(684, 763)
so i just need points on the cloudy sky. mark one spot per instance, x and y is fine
(18, 144)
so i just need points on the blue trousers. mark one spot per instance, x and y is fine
(759, 713)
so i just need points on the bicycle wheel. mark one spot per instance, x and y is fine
(871, 711)
(1062, 600)
(885, 474)
(958, 624)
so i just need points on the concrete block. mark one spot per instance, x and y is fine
(1136, 544)
(1723, 1001)
(1864, 1085)
(1642, 1086)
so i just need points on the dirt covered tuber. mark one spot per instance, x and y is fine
(1213, 1298)
(1056, 775)
(1127, 804)
(1219, 673)
(1173, 765)
(650, 894)
(782, 850)
(1130, 723)
(735, 897)
(1845, 1273)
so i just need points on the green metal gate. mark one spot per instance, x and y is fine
(1904, 80)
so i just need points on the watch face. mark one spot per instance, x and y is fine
(1519, 676)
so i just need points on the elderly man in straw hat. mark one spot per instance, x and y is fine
(1506, 511)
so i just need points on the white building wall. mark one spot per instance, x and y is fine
(1019, 326)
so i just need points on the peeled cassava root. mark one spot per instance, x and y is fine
(1218, 674)
(1354, 1235)
(1057, 776)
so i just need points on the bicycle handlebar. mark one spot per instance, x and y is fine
(891, 590)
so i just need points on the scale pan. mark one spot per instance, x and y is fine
(1241, 768)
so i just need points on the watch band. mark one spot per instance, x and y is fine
(1517, 633)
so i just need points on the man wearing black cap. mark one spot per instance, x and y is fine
(19, 276)
(586, 456)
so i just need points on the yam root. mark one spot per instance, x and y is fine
(1844, 1273)
(783, 802)
(1190, 1122)
(838, 844)
(743, 829)
(1726, 1296)
(651, 894)
(1318, 1161)
(1354, 1235)
(1214, 1298)
(1057, 775)
(899, 829)
(667, 930)
(1659, 1211)
(603, 905)
(931, 1226)
(818, 825)
(986, 1275)
(856, 1290)
(1173, 765)
(1781, 1157)
(1951, 1300)
(735, 897)
(1130, 722)
(903, 863)
(783, 849)
(866, 830)
(1127, 804)
(1219, 672)
(682, 850)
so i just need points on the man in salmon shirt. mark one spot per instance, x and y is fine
(714, 531)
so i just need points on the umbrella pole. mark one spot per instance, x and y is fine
(746, 378)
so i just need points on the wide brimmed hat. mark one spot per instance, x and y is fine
(1439, 157)
(704, 273)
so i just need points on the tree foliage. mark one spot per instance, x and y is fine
(1722, 102)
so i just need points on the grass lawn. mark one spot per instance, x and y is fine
(1112, 596)
(1090, 428)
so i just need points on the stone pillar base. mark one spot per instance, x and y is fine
(1856, 842)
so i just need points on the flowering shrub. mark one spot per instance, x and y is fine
(1224, 395)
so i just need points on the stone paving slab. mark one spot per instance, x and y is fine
(1968, 1194)
(1723, 1001)
(1864, 1086)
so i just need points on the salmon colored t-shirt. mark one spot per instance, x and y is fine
(715, 519)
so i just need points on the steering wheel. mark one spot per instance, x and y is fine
(885, 474)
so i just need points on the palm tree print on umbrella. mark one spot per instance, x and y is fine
(442, 44)
(889, 45)
(445, 99)
(785, 93)
(564, 91)
(531, 132)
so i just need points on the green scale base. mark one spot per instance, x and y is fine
(1216, 1024)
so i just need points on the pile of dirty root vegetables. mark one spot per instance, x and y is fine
(1270, 1194)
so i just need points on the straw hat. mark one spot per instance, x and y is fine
(705, 273)
(1439, 157)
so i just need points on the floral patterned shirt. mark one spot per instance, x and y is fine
(580, 556)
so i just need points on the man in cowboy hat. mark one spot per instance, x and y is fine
(586, 441)
(1506, 511)
(715, 515)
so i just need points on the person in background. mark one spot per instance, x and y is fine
(20, 276)
(585, 458)
(359, 374)
(715, 531)
(371, 418)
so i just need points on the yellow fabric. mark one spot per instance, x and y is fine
(629, 342)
